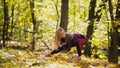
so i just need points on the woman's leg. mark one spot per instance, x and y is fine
(80, 42)
(79, 48)
(83, 41)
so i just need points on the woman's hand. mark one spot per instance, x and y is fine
(48, 55)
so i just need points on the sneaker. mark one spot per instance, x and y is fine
(78, 58)
(48, 55)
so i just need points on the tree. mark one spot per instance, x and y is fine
(12, 21)
(34, 23)
(113, 51)
(64, 14)
(57, 12)
(117, 17)
(90, 27)
(6, 23)
(98, 13)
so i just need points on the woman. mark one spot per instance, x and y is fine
(66, 41)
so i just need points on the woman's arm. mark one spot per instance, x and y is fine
(56, 51)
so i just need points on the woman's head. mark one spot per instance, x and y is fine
(60, 33)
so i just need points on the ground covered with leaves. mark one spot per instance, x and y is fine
(14, 58)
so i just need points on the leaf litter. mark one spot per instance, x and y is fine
(12, 58)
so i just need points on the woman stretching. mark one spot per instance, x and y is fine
(66, 41)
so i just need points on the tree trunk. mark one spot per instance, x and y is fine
(98, 13)
(34, 23)
(113, 51)
(64, 14)
(117, 17)
(25, 33)
(57, 13)
(12, 21)
(90, 27)
(5, 26)
(74, 13)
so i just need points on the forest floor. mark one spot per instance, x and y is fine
(16, 58)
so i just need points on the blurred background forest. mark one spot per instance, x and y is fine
(30, 25)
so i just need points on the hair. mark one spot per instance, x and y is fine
(58, 37)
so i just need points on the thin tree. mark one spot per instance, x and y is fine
(90, 27)
(33, 22)
(5, 24)
(113, 52)
(117, 17)
(12, 21)
(57, 13)
(101, 7)
(64, 14)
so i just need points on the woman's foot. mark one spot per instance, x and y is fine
(48, 55)
(78, 58)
